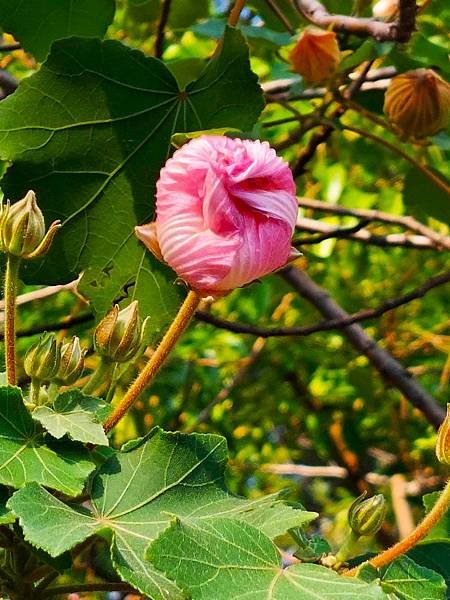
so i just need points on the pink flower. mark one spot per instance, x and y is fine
(225, 213)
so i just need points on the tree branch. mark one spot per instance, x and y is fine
(8, 84)
(397, 31)
(280, 15)
(386, 365)
(377, 215)
(418, 242)
(161, 30)
(337, 322)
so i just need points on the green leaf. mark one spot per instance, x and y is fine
(76, 415)
(410, 581)
(422, 197)
(434, 555)
(37, 23)
(227, 559)
(366, 51)
(134, 495)
(214, 28)
(441, 531)
(89, 133)
(6, 516)
(26, 455)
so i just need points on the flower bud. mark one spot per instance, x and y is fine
(118, 336)
(443, 440)
(72, 362)
(417, 103)
(43, 359)
(315, 55)
(22, 228)
(365, 517)
(385, 9)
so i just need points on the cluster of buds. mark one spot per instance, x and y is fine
(316, 55)
(119, 335)
(49, 360)
(22, 229)
(417, 103)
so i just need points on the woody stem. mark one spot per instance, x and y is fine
(422, 529)
(11, 275)
(157, 359)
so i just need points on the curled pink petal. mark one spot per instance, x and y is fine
(226, 210)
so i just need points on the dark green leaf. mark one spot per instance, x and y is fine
(435, 556)
(6, 516)
(89, 133)
(227, 559)
(37, 23)
(134, 496)
(441, 531)
(366, 51)
(76, 415)
(410, 581)
(424, 198)
(214, 28)
(26, 455)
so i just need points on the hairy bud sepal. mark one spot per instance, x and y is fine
(71, 364)
(118, 336)
(443, 440)
(22, 229)
(42, 360)
(365, 517)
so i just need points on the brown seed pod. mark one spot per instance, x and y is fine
(417, 103)
(315, 55)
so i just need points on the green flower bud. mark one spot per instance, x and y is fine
(365, 517)
(43, 359)
(72, 362)
(118, 336)
(443, 440)
(22, 228)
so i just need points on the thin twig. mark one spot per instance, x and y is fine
(280, 15)
(235, 13)
(403, 240)
(377, 215)
(388, 367)
(396, 149)
(161, 29)
(10, 47)
(337, 322)
(341, 232)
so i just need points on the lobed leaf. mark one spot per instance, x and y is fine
(135, 495)
(26, 455)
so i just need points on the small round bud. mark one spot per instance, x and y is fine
(417, 103)
(315, 55)
(22, 226)
(443, 440)
(365, 517)
(43, 359)
(118, 336)
(72, 362)
(385, 9)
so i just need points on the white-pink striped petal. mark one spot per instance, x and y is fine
(225, 213)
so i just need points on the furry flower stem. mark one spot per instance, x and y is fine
(157, 359)
(11, 275)
(422, 529)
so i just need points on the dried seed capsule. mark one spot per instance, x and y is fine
(365, 517)
(118, 336)
(417, 103)
(315, 55)
(43, 359)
